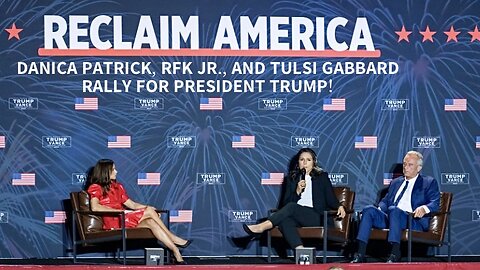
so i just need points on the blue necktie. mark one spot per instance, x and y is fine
(401, 194)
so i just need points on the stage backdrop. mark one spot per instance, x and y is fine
(202, 104)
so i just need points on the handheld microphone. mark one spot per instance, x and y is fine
(304, 172)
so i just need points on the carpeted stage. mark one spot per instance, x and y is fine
(242, 263)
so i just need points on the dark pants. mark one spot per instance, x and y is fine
(395, 220)
(292, 216)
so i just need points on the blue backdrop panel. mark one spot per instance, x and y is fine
(220, 160)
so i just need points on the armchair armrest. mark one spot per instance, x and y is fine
(271, 211)
(328, 212)
(167, 213)
(121, 214)
(432, 214)
(163, 211)
(99, 213)
(334, 212)
(108, 213)
(104, 213)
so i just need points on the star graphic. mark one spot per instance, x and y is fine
(403, 34)
(427, 34)
(13, 32)
(475, 34)
(452, 34)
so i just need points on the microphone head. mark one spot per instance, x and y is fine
(304, 172)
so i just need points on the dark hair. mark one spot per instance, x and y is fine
(316, 168)
(101, 174)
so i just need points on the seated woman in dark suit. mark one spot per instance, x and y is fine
(106, 194)
(306, 196)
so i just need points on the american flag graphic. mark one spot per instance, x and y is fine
(181, 216)
(243, 141)
(211, 104)
(2, 141)
(455, 104)
(387, 178)
(86, 103)
(365, 142)
(477, 143)
(118, 142)
(272, 178)
(334, 104)
(148, 179)
(23, 179)
(55, 216)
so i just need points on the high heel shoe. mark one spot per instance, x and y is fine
(179, 262)
(175, 262)
(249, 232)
(184, 245)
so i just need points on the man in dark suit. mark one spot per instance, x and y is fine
(411, 193)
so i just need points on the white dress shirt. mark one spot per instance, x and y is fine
(405, 202)
(306, 196)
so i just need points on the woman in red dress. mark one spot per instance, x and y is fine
(106, 194)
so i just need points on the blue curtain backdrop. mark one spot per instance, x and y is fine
(221, 164)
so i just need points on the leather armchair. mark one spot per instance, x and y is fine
(340, 233)
(435, 236)
(87, 226)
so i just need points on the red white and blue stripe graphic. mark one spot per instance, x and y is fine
(86, 103)
(387, 178)
(269, 178)
(455, 104)
(243, 141)
(334, 104)
(211, 104)
(148, 179)
(365, 142)
(23, 179)
(181, 216)
(52, 217)
(119, 142)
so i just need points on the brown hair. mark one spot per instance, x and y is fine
(101, 174)
(316, 170)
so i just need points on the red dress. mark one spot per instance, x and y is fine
(115, 198)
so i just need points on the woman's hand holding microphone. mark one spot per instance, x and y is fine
(302, 183)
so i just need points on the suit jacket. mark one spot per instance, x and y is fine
(425, 192)
(323, 195)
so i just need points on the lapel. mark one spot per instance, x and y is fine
(416, 188)
(397, 186)
(314, 189)
(418, 184)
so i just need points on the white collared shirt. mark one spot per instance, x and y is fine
(405, 202)
(306, 198)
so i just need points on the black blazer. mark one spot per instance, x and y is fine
(323, 195)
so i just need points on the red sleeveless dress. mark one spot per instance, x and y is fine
(115, 198)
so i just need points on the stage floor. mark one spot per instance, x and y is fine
(241, 263)
(328, 266)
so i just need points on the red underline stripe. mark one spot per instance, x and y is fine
(209, 52)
